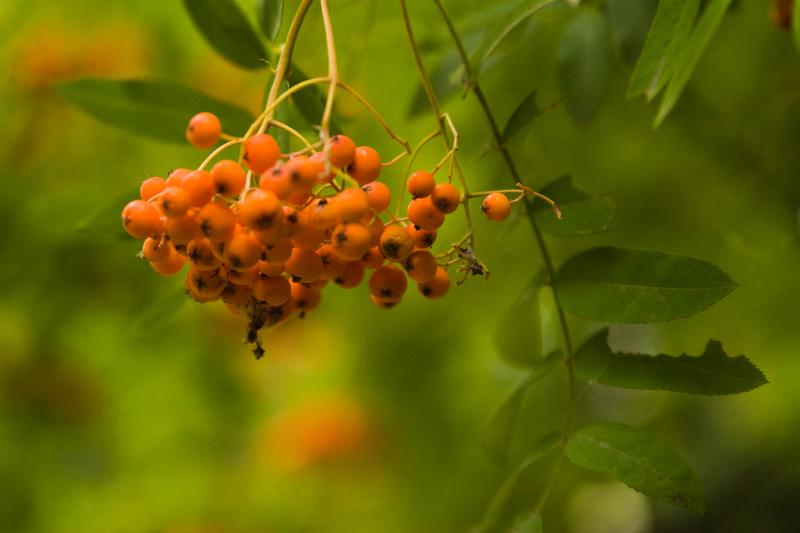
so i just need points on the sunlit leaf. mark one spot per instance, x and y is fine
(583, 64)
(270, 15)
(525, 113)
(640, 460)
(518, 336)
(691, 54)
(504, 423)
(712, 373)
(668, 35)
(158, 109)
(633, 286)
(582, 214)
(226, 28)
(630, 20)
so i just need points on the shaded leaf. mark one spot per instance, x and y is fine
(583, 64)
(525, 113)
(691, 53)
(634, 286)
(310, 101)
(630, 20)
(105, 223)
(446, 79)
(518, 336)
(504, 422)
(226, 28)
(158, 109)
(712, 373)
(640, 460)
(668, 35)
(270, 16)
(582, 214)
(527, 523)
(518, 14)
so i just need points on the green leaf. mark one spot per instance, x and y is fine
(158, 109)
(633, 286)
(668, 35)
(499, 31)
(525, 113)
(630, 20)
(527, 523)
(583, 64)
(310, 101)
(157, 317)
(446, 80)
(504, 422)
(691, 53)
(518, 336)
(639, 459)
(712, 373)
(103, 222)
(225, 27)
(582, 214)
(270, 16)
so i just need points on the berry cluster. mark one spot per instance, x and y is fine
(315, 217)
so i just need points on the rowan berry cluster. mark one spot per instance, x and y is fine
(315, 217)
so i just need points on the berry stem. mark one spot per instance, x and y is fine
(474, 86)
(432, 135)
(333, 70)
(221, 148)
(293, 132)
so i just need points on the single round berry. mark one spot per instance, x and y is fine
(319, 158)
(445, 197)
(352, 204)
(261, 151)
(207, 284)
(201, 254)
(366, 165)
(243, 277)
(304, 265)
(141, 219)
(216, 221)
(151, 186)
(373, 258)
(421, 184)
(171, 266)
(385, 303)
(275, 290)
(309, 237)
(156, 249)
(181, 230)
(176, 176)
(199, 185)
(396, 244)
(388, 282)
(260, 210)
(351, 276)
(324, 212)
(379, 195)
(276, 181)
(243, 252)
(229, 178)
(302, 172)
(437, 286)
(278, 252)
(332, 264)
(341, 151)
(351, 240)
(304, 297)
(173, 202)
(421, 266)
(423, 238)
(204, 130)
(237, 296)
(271, 269)
(496, 206)
(422, 213)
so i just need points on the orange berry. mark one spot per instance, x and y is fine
(171, 266)
(324, 212)
(388, 282)
(332, 264)
(437, 286)
(237, 295)
(199, 185)
(243, 277)
(274, 290)
(386, 303)
(298, 197)
(376, 227)
(366, 165)
(351, 276)
(294, 221)
(304, 265)
(276, 181)
(175, 177)
(373, 258)
(445, 197)
(305, 298)
(352, 204)
(261, 151)
(151, 186)
(279, 251)
(421, 266)
(422, 213)
(351, 241)
(173, 202)
(229, 178)
(396, 244)
(260, 210)
(181, 230)
(207, 284)
(271, 269)
(141, 219)
(243, 252)
(309, 237)
(341, 151)
(496, 206)
(378, 194)
(204, 130)
(201, 254)
(421, 184)
(423, 238)
(216, 221)
(156, 249)
(319, 158)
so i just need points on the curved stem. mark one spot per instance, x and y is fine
(333, 70)
(474, 86)
(377, 116)
(293, 132)
(411, 159)
(218, 151)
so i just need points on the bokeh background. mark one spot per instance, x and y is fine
(125, 407)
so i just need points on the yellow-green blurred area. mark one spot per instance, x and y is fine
(126, 407)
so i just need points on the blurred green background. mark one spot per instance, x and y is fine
(125, 407)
